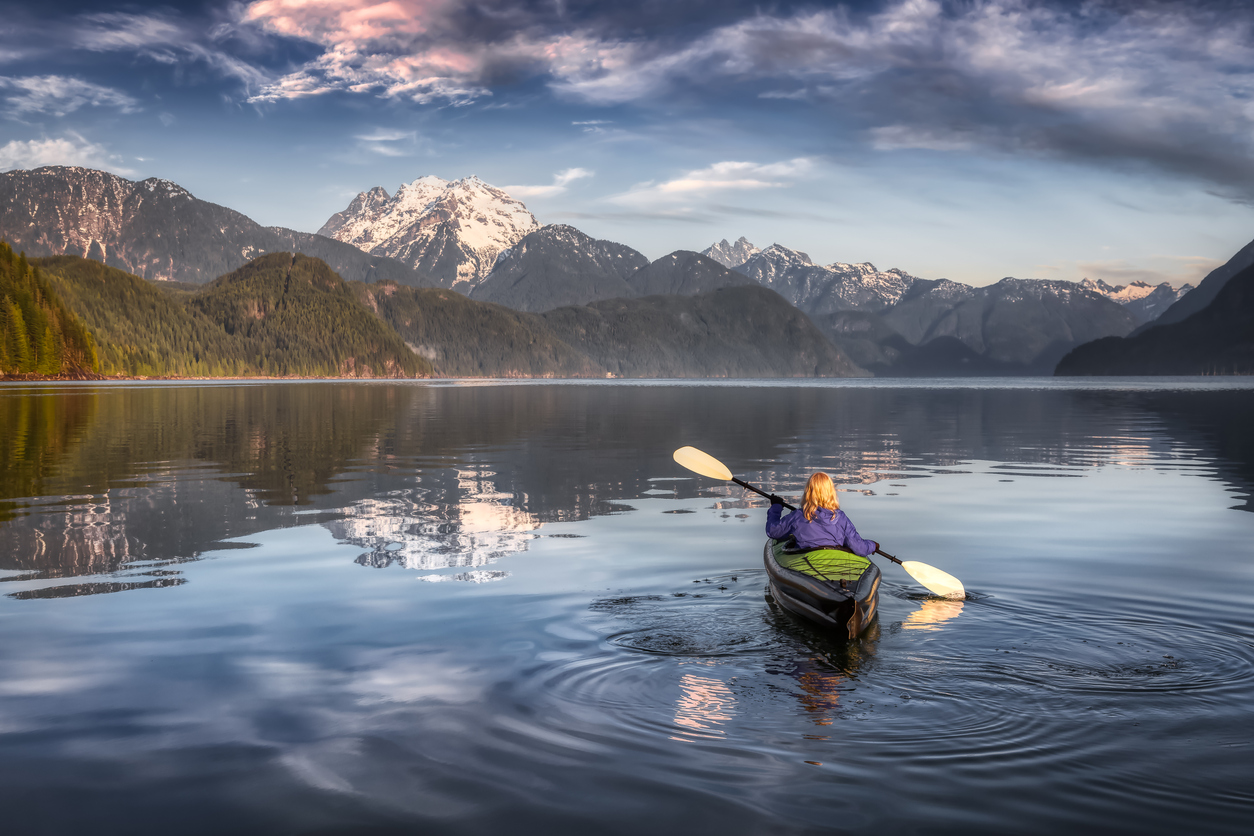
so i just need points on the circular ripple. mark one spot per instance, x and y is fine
(1077, 652)
(997, 686)
(719, 616)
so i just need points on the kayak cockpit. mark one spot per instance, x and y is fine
(833, 588)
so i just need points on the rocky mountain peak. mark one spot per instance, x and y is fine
(779, 254)
(731, 255)
(454, 229)
(156, 184)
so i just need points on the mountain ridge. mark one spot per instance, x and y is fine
(557, 265)
(156, 229)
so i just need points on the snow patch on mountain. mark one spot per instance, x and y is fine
(826, 289)
(452, 230)
(1146, 301)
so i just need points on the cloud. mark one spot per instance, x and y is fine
(931, 138)
(166, 40)
(389, 142)
(1163, 85)
(562, 178)
(593, 126)
(701, 184)
(71, 149)
(396, 48)
(560, 181)
(688, 217)
(114, 31)
(55, 95)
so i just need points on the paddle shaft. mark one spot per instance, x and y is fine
(758, 490)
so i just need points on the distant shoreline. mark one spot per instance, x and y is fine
(31, 378)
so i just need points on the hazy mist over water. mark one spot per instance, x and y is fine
(484, 607)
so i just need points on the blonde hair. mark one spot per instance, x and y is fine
(820, 493)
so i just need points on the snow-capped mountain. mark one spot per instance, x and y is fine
(1144, 300)
(731, 255)
(452, 231)
(818, 289)
(156, 229)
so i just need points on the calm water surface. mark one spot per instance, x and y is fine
(501, 608)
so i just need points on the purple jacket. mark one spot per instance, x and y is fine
(828, 528)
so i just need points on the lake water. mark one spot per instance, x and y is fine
(485, 608)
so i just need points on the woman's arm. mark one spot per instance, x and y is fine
(776, 528)
(853, 541)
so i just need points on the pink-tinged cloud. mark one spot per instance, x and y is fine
(337, 22)
(394, 48)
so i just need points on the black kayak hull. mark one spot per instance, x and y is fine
(844, 607)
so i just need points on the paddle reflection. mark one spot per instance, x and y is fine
(933, 612)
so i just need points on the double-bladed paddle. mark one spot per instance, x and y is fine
(938, 582)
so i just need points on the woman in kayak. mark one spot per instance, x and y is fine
(819, 523)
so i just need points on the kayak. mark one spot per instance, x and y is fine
(833, 588)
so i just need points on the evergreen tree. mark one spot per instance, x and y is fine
(18, 339)
(38, 333)
(49, 354)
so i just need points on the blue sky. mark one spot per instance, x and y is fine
(970, 140)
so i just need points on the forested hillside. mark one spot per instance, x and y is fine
(299, 318)
(141, 328)
(277, 316)
(466, 338)
(38, 333)
(744, 331)
(737, 332)
(284, 315)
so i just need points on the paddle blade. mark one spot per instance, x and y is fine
(939, 583)
(703, 463)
